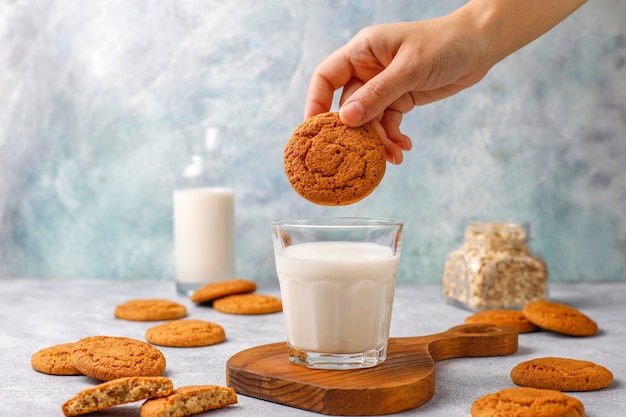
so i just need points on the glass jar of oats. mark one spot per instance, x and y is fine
(494, 268)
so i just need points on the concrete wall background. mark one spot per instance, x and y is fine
(97, 101)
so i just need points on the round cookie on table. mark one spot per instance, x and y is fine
(150, 310)
(189, 400)
(109, 357)
(248, 304)
(55, 360)
(186, 333)
(559, 318)
(331, 164)
(503, 317)
(561, 374)
(527, 402)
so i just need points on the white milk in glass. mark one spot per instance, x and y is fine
(204, 235)
(337, 296)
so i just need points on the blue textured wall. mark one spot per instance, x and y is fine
(97, 99)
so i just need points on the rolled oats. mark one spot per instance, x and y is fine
(494, 268)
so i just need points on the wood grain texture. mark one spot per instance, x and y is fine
(404, 381)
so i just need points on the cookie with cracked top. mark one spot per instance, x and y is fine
(189, 400)
(55, 360)
(503, 317)
(563, 374)
(109, 357)
(559, 318)
(150, 310)
(186, 333)
(220, 289)
(248, 304)
(527, 402)
(331, 164)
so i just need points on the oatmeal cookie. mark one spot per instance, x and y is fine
(559, 318)
(55, 360)
(527, 402)
(248, 304)
(503, 317)
(331, 164)
(220, 289)
(150, 310)
(186, 333)
(561, 374)
(189, 400)
(108, 357)
(116, 392)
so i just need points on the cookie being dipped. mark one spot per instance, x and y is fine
(331, 164)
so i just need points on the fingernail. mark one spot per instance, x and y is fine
(352, 113)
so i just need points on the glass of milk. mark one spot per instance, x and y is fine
(337, 279)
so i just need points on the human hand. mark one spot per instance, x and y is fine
(386, 70)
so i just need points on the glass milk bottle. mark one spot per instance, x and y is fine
(204, 224)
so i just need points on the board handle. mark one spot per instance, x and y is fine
(469, 340)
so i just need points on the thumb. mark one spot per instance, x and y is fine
(373, 97)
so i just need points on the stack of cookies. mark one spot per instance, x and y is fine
(542, 381)
(546, 315)
(237, 297)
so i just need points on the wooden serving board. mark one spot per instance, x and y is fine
(405, 380)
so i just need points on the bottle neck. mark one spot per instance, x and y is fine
(207, 165)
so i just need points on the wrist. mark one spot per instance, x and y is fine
(502, 27)
(483, 25)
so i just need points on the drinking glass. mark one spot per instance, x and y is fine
(337, 279)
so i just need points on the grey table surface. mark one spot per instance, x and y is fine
(39, 313)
